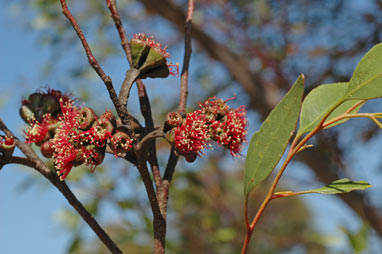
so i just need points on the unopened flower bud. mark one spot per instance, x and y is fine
(26, 114)
(46, 149)
(87, 117)
(190, 157)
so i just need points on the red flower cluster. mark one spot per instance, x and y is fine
(192, 136)
(214, 120)
(74, 136)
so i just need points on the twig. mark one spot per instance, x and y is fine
(122, 112)
(112, 5)
(124, 93)
(17, 160)
(158, 132)
(186, 58)
(40, 166)
(173, 159)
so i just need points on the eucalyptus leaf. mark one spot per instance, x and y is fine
(268, 144)
(366, 82)
(320, 101)
(340, 186)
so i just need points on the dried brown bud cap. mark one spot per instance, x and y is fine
(87, 117)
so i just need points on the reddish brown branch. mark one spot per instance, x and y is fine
(186, 58)
(159, 220)
(112, 5)
(17, 160)
(40, 166)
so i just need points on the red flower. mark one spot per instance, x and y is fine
(192, 136)
(231, 131)
(37, 132)
(64, 142)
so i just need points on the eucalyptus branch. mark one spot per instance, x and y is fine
(17, 160)
(41, 167)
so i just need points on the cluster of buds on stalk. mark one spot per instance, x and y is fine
(70, 134)
(214, 120)
(150, 58)
(7, 146)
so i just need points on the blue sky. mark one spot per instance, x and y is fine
(27, 223)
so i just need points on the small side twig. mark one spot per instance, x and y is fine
(158, 132)
(112, 5)
(186, 58)
(40, 166)
(17, 160)
(124, 93)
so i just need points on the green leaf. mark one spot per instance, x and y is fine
(268, 144)
(320, 101)
(340, 186)
(370, 89)
(366, 82)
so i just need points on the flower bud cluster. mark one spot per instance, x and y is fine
(150, 58)
(7, 146)
(214, 120)
(71, 135)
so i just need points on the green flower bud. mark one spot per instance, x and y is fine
(150, 58)
(26, 114)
